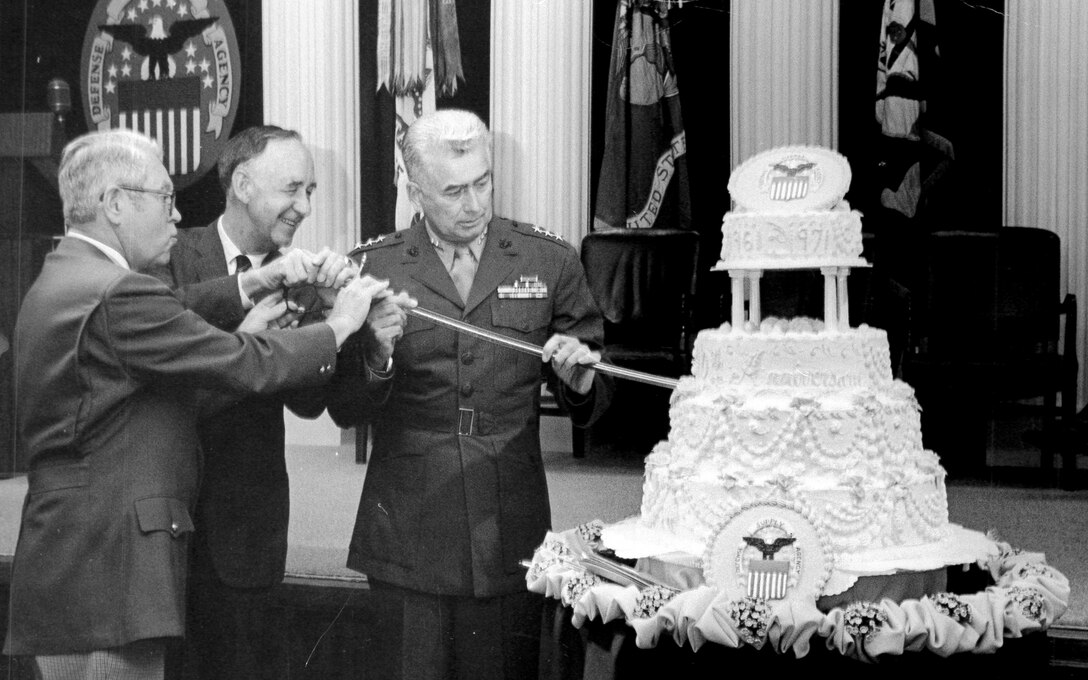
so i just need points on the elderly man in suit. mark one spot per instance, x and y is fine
(112, 372)
(240, 546)
(455, 493)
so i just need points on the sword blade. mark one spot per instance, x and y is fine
(537, 350)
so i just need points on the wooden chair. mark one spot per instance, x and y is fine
(990, 331)
(644, 281)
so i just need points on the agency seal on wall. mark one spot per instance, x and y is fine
(167, 68)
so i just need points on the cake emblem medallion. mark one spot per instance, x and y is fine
(770, 549)
(791, 179)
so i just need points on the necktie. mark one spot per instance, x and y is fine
(242, 264)
(462, 271)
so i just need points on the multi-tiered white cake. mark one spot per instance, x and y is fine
(794, 464)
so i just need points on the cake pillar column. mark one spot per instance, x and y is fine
(831, 305)
(844, 299)
(736, 279)
(754, 311)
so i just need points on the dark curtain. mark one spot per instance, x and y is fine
(377, 121)
(378, 116)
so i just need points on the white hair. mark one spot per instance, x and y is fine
(92, 162)
(450, 130)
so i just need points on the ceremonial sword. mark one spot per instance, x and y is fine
(537, 350)
(526, 347)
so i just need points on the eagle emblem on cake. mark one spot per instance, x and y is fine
(791, 178)
(770, 549)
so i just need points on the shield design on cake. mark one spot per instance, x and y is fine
(166, 68)
(771, 549)
(789, 188)
(793, 178)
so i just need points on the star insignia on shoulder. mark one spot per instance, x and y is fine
(381, 240)
(544, 232)
(374, 240)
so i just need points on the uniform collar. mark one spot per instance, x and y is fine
(445, 249)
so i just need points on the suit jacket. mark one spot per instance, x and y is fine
(244, 502)
(107, 364)
(448, 513)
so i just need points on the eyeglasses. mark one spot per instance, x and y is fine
(167, 196)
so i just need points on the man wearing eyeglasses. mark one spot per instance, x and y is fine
(112, 373)
(240, 546)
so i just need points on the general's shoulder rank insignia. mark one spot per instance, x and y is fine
(369, 244)
(525, 288)
(544, 232)
(372, 241)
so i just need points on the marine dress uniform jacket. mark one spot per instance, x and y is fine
(107, 366)
(244, 504)
(455, 493)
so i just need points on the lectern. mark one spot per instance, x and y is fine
(30, 220)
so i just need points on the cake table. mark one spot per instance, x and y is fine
(793, 506)
(988, 608)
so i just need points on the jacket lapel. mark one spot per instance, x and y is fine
(213, 262)
(498, 260)
(425, 266)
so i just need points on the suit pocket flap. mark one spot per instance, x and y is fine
(163, 514)
(521, 315)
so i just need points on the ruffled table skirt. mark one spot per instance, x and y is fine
(1017, 594)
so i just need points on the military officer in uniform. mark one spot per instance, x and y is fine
(455, 493)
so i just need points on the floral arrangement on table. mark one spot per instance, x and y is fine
(1028, 595)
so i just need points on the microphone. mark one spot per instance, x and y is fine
(59, 97)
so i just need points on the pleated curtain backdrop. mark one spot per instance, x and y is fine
(311, 69)
(783, 80)
(311, 85)
(1046, 136)
(540, 84)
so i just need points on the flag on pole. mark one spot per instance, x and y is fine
(418, 52)
(913, 154)
(643, 181)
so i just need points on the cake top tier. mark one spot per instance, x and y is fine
(790, 179)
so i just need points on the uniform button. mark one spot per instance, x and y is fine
(467, 390)
(467, 358)
(174, 528)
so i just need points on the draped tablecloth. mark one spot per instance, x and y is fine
(1025, 595)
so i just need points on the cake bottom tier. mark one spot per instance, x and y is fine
(679, 560)
(911, 512)
(897, 586)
